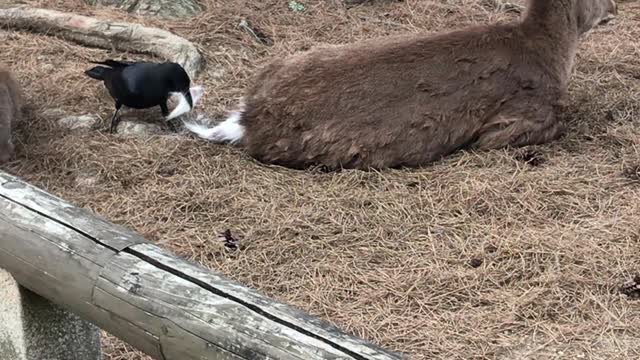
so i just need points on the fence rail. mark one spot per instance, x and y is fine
(148, 297)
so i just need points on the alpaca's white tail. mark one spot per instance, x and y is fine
(229, 130)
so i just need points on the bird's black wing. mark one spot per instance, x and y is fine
(117, 63)
(143, 78)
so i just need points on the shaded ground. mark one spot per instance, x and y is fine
(508, 254)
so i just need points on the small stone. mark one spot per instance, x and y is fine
(217, 73)
(47, 67)
(81, 122)
(53, 113)
(87, 179)
(138, 128)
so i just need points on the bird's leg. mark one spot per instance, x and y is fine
(115, 120)
(164, 108)
(165, 112)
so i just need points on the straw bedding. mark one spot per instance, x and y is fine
(506, 254)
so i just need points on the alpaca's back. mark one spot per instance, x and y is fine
(400, 101)
(409, 100)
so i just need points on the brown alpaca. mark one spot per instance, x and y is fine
(410, 100)
(11, 102)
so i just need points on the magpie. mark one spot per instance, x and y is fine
(142, 85)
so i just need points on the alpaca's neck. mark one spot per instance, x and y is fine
(553, 18)
(550, 26)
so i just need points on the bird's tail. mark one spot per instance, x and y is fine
(229, 130)
(97, 72)
(114, 63)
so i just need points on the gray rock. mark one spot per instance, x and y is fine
(80, 122)
(217, 74)
(87, 178)
(139, 128)
(164, 8)
(53, 113)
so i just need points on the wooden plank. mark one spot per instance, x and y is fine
(140, 338)
(34, 260)
(254, 300)
(87, 223)
(176, 342)
(165, 306)
(171, 302)
(63, 240)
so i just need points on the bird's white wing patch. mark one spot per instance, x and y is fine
(183, 105)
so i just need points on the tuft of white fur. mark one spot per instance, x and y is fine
(229, 130)
(183, 105)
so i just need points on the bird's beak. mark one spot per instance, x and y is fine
(187, 101)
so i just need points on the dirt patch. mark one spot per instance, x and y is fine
(385, 255)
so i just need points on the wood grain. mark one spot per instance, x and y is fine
(161, 304)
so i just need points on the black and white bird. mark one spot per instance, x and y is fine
(143, 85)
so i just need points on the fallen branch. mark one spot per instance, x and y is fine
(106, 34)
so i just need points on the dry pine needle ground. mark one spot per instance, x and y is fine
(508, 254)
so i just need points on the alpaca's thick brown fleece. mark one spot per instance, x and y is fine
(410, 100)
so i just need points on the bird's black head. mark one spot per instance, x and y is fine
(178, 80)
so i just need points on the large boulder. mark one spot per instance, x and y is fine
(164, 8)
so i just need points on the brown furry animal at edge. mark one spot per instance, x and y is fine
(11, 108)
(406, 101)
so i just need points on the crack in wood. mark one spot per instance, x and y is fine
(183, 276)
(89, 265)
(249, 306)
(197, 315)
(161, 317)
(70, 227)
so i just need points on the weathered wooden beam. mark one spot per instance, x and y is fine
(161, 304)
